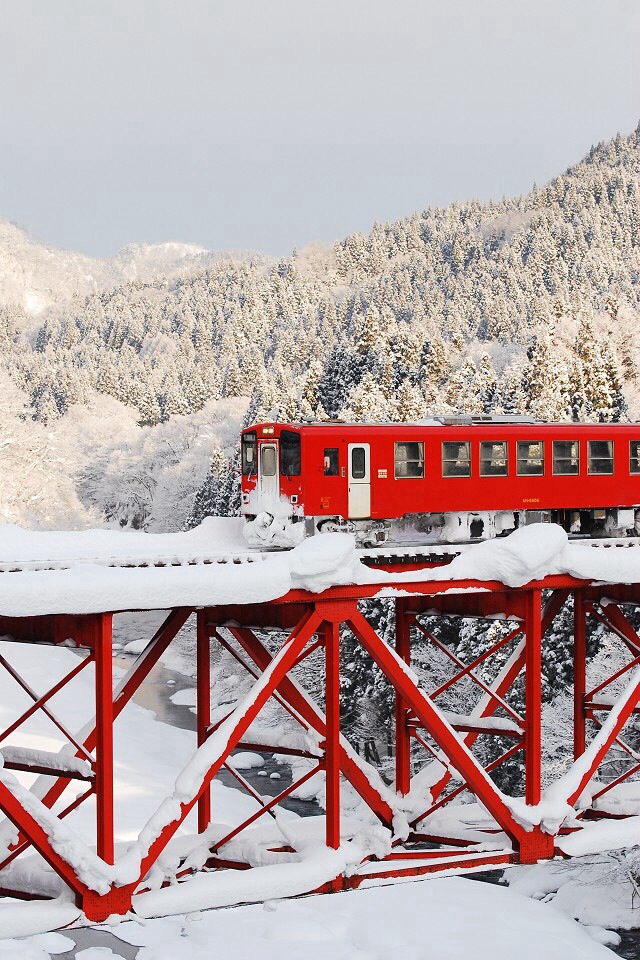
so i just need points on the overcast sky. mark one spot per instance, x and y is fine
(268, 124)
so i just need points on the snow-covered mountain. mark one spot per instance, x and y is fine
(34, 276)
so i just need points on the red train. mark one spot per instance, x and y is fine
(447, 480)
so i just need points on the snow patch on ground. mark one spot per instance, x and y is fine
(443, 918)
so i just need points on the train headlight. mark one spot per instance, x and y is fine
(267, 431)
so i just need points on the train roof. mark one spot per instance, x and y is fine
(452, 421)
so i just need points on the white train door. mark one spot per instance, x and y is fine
(269, 479)
(359, 481)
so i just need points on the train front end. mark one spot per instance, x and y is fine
(272, 485)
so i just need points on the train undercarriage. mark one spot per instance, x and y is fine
(443, 528)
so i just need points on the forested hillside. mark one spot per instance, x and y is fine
(525, 305)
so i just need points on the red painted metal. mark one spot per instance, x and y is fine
(320, 494)
(579, 673)
(533, 676)
(403, 737)
(312, 621)
(332, 748)
(203, 701)
(104, 740)
(312, 718)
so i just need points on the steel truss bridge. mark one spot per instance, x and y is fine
(515, 831)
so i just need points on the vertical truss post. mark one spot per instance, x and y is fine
(579, 673)
(104, 738)
(533, 716)
(203, 709)
(332, 744)
(403, 739)
(536, 844)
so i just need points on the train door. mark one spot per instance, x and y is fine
(359, 481)
(269, 480)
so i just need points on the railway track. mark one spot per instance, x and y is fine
(173, 560)
(374, 556)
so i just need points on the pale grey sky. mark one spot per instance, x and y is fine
(268, 124)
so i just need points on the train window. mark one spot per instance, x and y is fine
(634, 456)
(566, 457)
(530, 458)
(249, 454)
(600, 458)
(331, 461)
(358, 463)
(409, 460)
(456, 459)
(494, 459)
(268, 460)
(289, 453)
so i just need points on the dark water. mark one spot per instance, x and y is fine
(629, 945)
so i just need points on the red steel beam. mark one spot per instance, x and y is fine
(467, 671)
(44, 698)
(332, 747)
(459, 593)
(614, 620)
(104, 741)
(461, 757)
(203, 709)
(533, 713)
(403, 737)
(598, 748)
(510, 672)
(476, 663)
(579, 673)
(239, 724)
(268, 806)
(123, 694)
(299, 701)
(29, 827)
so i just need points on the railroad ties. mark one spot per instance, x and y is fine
(438, 811)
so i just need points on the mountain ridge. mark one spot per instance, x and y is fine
(35, 276)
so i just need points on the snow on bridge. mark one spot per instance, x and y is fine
(62, 589)
(92, 571)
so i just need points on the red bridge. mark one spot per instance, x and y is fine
(411, 836)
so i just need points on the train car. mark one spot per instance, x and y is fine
(449, 480)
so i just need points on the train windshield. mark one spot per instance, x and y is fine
(249, 454)
(290, 453)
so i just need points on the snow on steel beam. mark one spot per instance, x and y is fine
(506, 677)
(121, 696)
(364, 778)
(436, 724)
(560, 797)
(209, 758)
(400, 588)
(63, 850)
